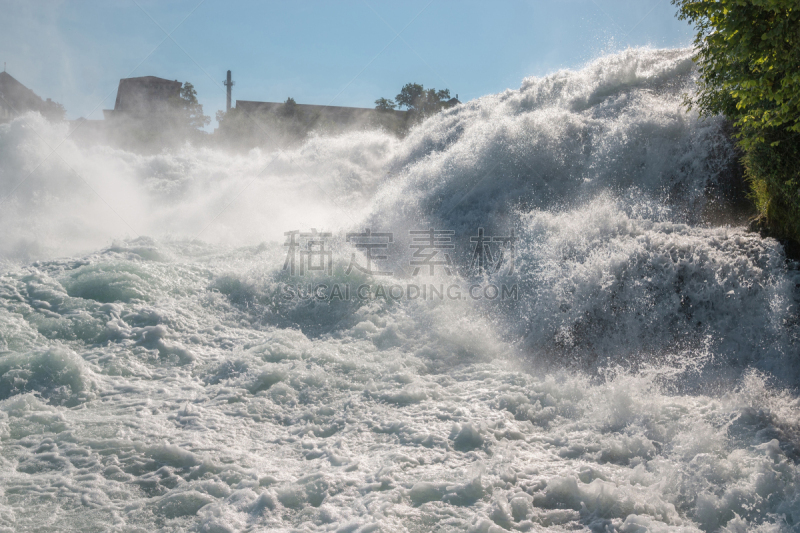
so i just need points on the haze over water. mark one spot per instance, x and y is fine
(154, 375)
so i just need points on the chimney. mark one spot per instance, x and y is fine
(228, 83)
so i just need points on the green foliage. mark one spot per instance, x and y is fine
(409, 95)
(190, 109)
(382, 104)
(773, 170)
(420, 102)
(289, 108)
(748, 54)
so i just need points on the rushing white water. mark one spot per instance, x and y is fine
(155, 374)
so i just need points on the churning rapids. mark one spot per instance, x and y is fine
(156, 374)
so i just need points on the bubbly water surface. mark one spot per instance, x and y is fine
(154, 375)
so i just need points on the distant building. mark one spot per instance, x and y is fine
(341, 117)
(452, 102)
(143, 97)
(16, 99)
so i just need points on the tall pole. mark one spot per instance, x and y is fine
(228, 84)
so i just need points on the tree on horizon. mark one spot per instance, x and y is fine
(420, 102)
(191, 109)
(384, 104)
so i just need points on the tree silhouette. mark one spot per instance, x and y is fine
(383, 104)
(191, 109)
(421, 102)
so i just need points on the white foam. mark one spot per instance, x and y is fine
(643, 381)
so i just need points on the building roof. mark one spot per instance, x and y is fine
(146, 94)
(327, 110)
(16, 97)
(151, 79)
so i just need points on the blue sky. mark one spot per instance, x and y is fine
(332, 53)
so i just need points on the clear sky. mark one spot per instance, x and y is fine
(318, 52)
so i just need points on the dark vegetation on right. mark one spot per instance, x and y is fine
(748, 54)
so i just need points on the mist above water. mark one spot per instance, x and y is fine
(617, 126)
